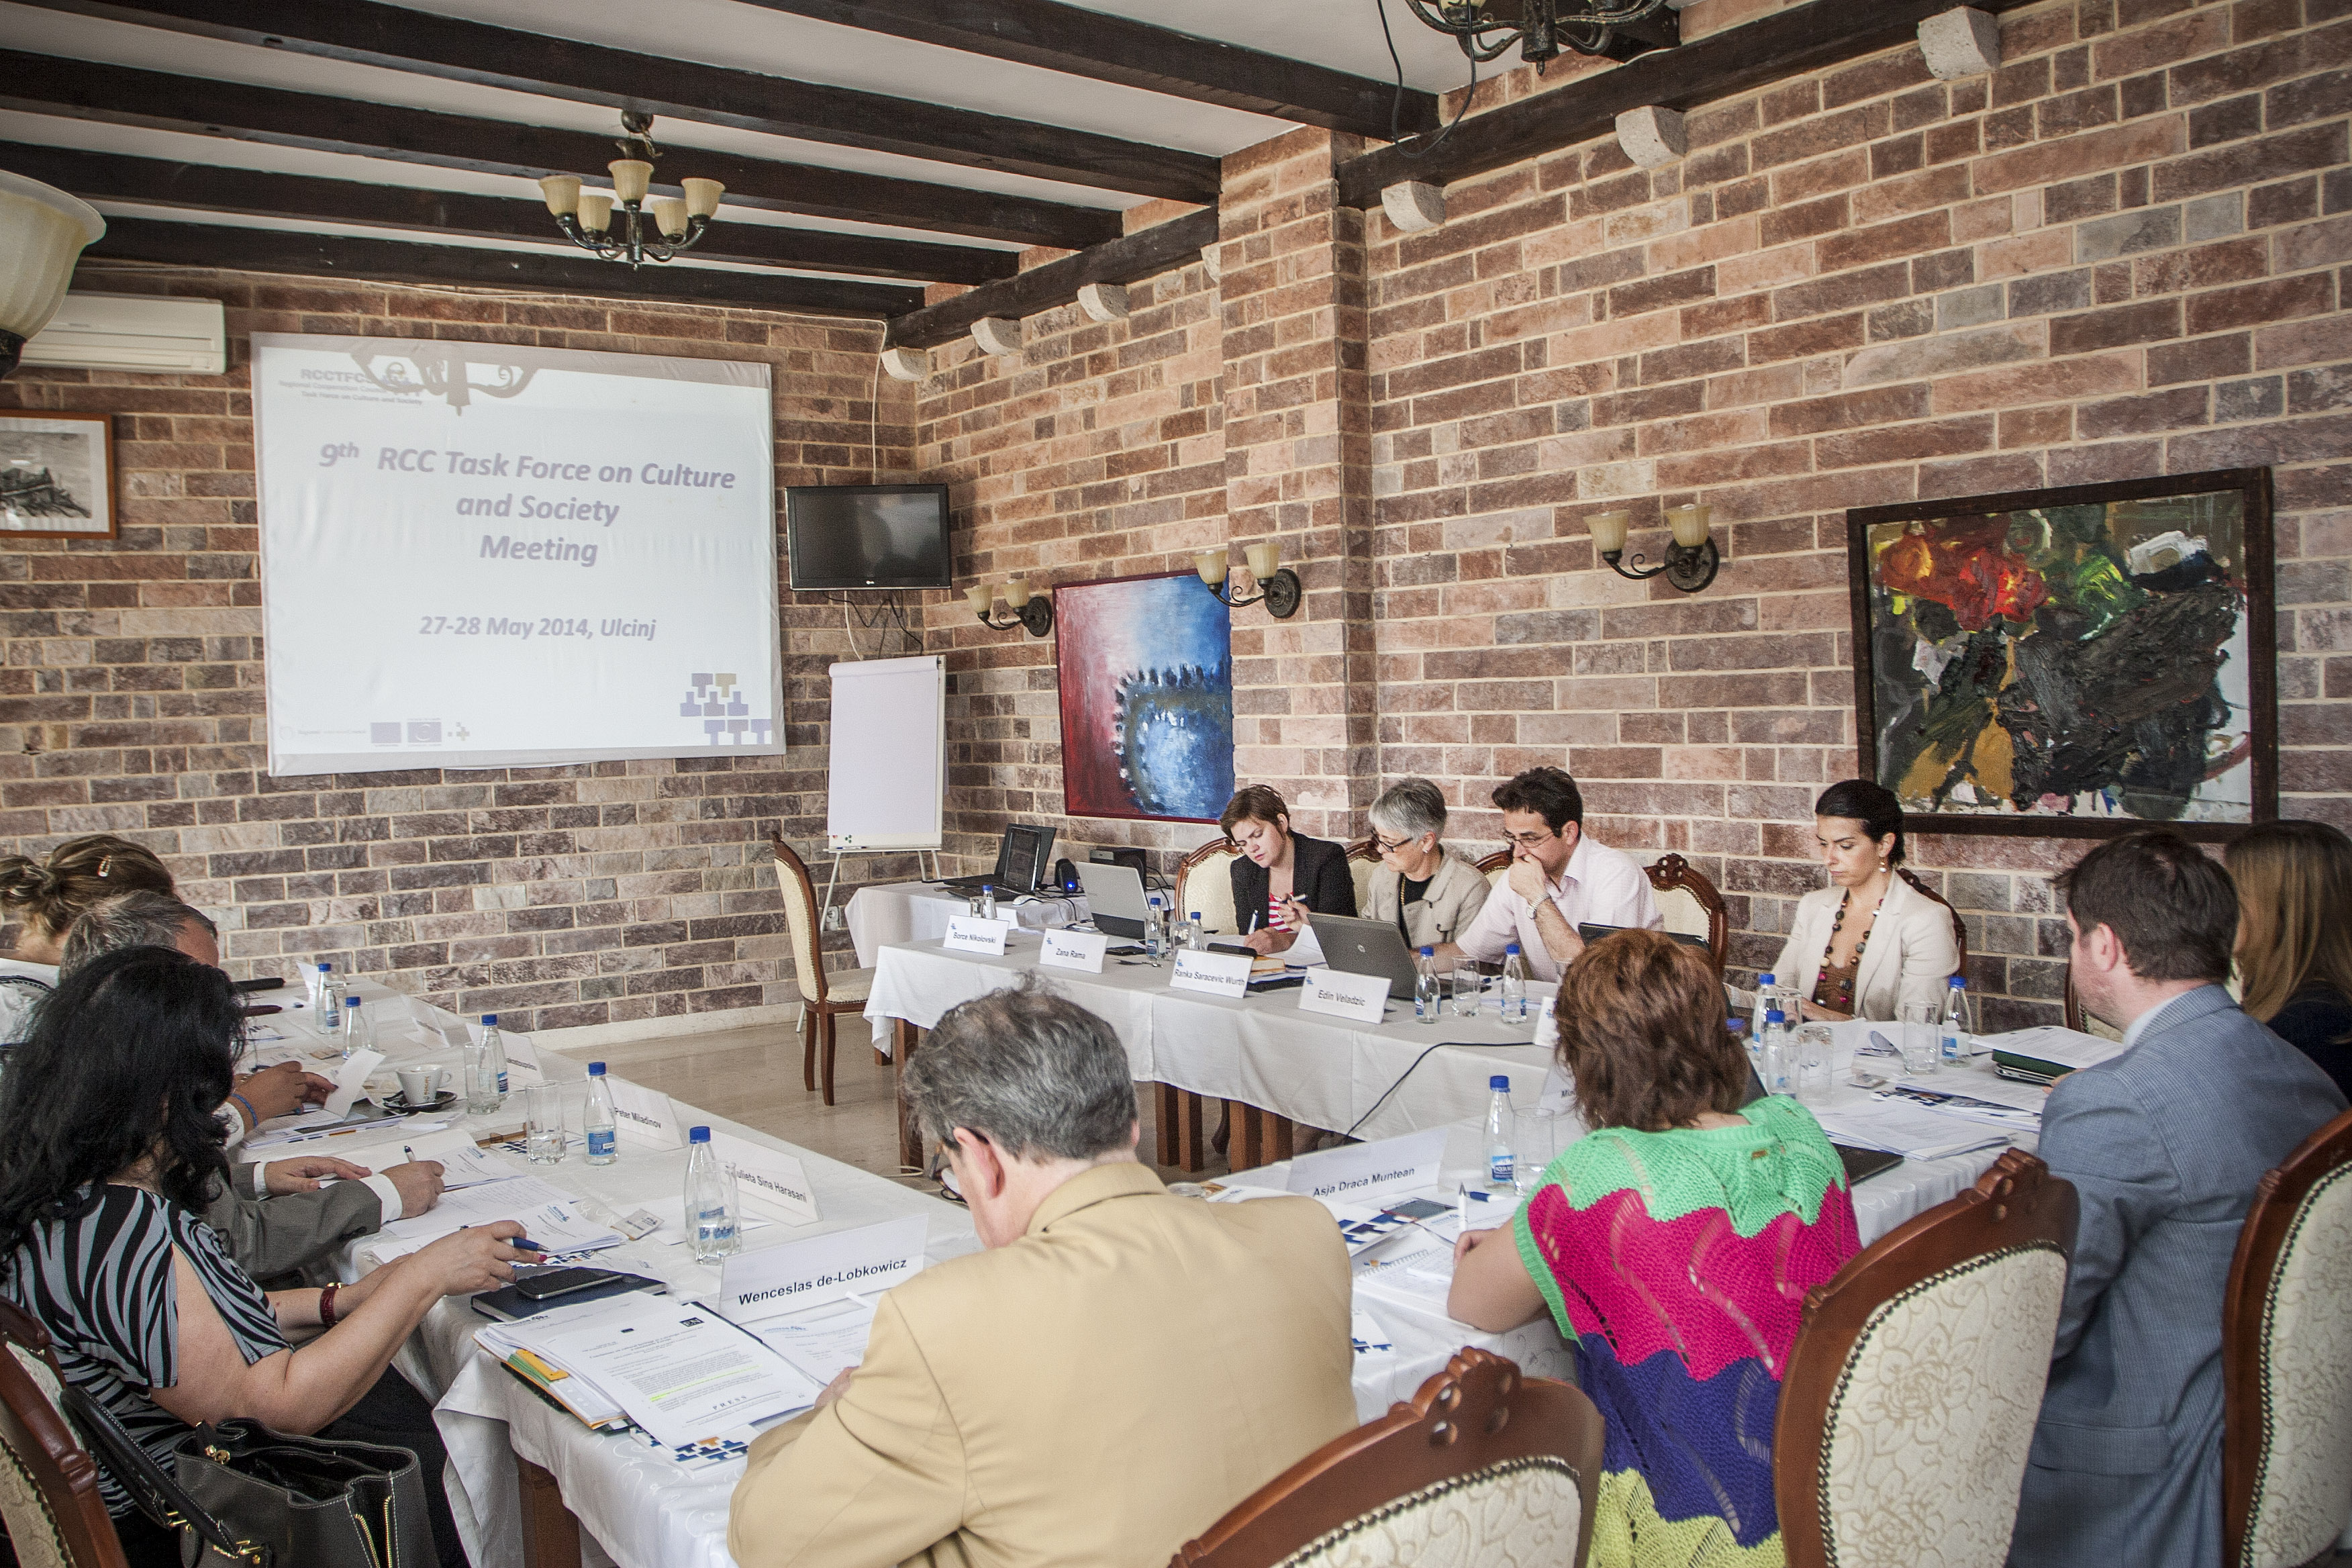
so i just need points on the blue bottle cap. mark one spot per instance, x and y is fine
(351, 1001)
(1501, 1081)
(1511, 949)
(489, 1020)
(1957, 983)
(1774, 1016)
(1766, 979)
(1196, 915)
(325, 967)
(1430, 951)
(595, 1069)
(698, 1134)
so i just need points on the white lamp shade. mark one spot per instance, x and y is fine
(596, 212)
(1264, 558)
(702, 196)
(669, 217)
(1212, 564)
(563, 194)
(1016, 591)
(1608, 530)
(983, 597)
(630, 178)
(42, 232)
(1689, 525)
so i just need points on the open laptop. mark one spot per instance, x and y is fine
(1024, 859)
(1114, 898)
(1591, 932)
(1366, 947)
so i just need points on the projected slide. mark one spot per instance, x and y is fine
(476, 556)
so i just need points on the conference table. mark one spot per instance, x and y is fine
(526, 1478)
(1281, 1066)
(918, 911)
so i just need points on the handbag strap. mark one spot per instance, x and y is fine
(151, 1488)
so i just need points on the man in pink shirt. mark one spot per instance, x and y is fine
(1559, 879)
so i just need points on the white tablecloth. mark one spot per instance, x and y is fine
(1318, 1071)
(918, 911)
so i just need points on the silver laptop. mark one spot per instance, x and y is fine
(1366, 947)
(1114, 898)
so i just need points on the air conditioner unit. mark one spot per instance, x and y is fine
(135, 332)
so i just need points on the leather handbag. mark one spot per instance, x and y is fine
(244, 1496)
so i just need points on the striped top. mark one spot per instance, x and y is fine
(1677, 1263)
(101, 1285)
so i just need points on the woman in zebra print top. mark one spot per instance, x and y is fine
(107, 1145)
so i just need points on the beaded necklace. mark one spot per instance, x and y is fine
(1854, 960)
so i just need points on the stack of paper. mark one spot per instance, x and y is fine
(548, 1217)
(1977, 1097)
(1418, 1270)
(1898, 1126)
(679, 1370)
(823, 1341)
(2046, 1054)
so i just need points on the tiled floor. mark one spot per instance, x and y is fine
(753, 1076)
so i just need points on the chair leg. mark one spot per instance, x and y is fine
(808, 1046)
(824, 1024)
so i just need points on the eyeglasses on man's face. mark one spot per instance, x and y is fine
(1529, 841)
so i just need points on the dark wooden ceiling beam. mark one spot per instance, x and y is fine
(1783, 44)
(120, 95)
(1143, 254)
(367, 33)
(1113, 49)
(408, 262)
(208, 188)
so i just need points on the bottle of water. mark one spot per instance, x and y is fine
(1428, 993)
(315, 987)
(1514, 988)
(331, 1007)
(497, 1046)
(1155, 931)
(988, 903)
(1776, 1049)
(1196, 934)
(1952, 1042)
(709, 1200)
(596, 1118)
(1501, 1164)
(357, 1035)
(1768, 996)
(486, 1070)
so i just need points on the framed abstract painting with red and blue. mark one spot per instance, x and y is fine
(1146, 671)
(2074, 662)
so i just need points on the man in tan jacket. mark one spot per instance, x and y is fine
(1114, 1372)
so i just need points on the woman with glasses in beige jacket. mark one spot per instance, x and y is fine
(1424, 889)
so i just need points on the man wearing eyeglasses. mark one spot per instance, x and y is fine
(1559, 879)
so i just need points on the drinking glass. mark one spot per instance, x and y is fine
(1813, 1073)
(1466, 984)
(1922, 1052)
(543, 1123)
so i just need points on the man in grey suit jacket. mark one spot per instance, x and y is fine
(2165, 1143)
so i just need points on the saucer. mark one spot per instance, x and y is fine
(397, 1103)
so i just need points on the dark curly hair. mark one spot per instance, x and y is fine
(129, 1057)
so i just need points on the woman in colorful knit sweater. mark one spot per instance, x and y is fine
(1674, 1245)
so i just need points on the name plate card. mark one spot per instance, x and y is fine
(351, 1078)
(522, 1061)
(1218, 974)
(768, 1181)
(1075, 950)
(866, 1260)
(644, 1116)
(1404, 1162)
(969, 934)
(1362, 998)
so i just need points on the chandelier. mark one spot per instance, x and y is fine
(587, 218)
(1617, 29)
(42, 232)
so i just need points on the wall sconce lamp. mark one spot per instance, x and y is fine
(1036, 612)
(1691, 560)
(1278, 584)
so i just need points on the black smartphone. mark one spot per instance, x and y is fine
(1417, 1208)
(562, 1282)
(265, 983)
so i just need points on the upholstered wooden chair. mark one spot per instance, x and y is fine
(1960, 929)
(824, 996)
(1204, 882)
(1496, 866)
(48, 1482)
(1909, 1400)
(1689, 903)
(2286, 1361)
(1483, 1466)
(1363, 864)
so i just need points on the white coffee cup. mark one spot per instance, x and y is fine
(422, 1086)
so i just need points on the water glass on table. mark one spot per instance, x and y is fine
(1811, 1072)
(1467, 983)
(1922, 1052)
(543, 1124)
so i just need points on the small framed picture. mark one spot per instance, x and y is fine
(56, 476)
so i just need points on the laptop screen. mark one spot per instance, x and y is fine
(1023, 857)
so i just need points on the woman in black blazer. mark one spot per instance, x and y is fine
(1281, 877)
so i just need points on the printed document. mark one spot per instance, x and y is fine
(682, 1372)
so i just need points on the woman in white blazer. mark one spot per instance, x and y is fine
(1869, 942)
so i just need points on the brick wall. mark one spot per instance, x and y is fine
(130, 698)
(2126, 253)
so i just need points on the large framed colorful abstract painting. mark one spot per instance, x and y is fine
(1147, 683)
(2075, 662)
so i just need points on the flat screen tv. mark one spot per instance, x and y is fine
(867, 536)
